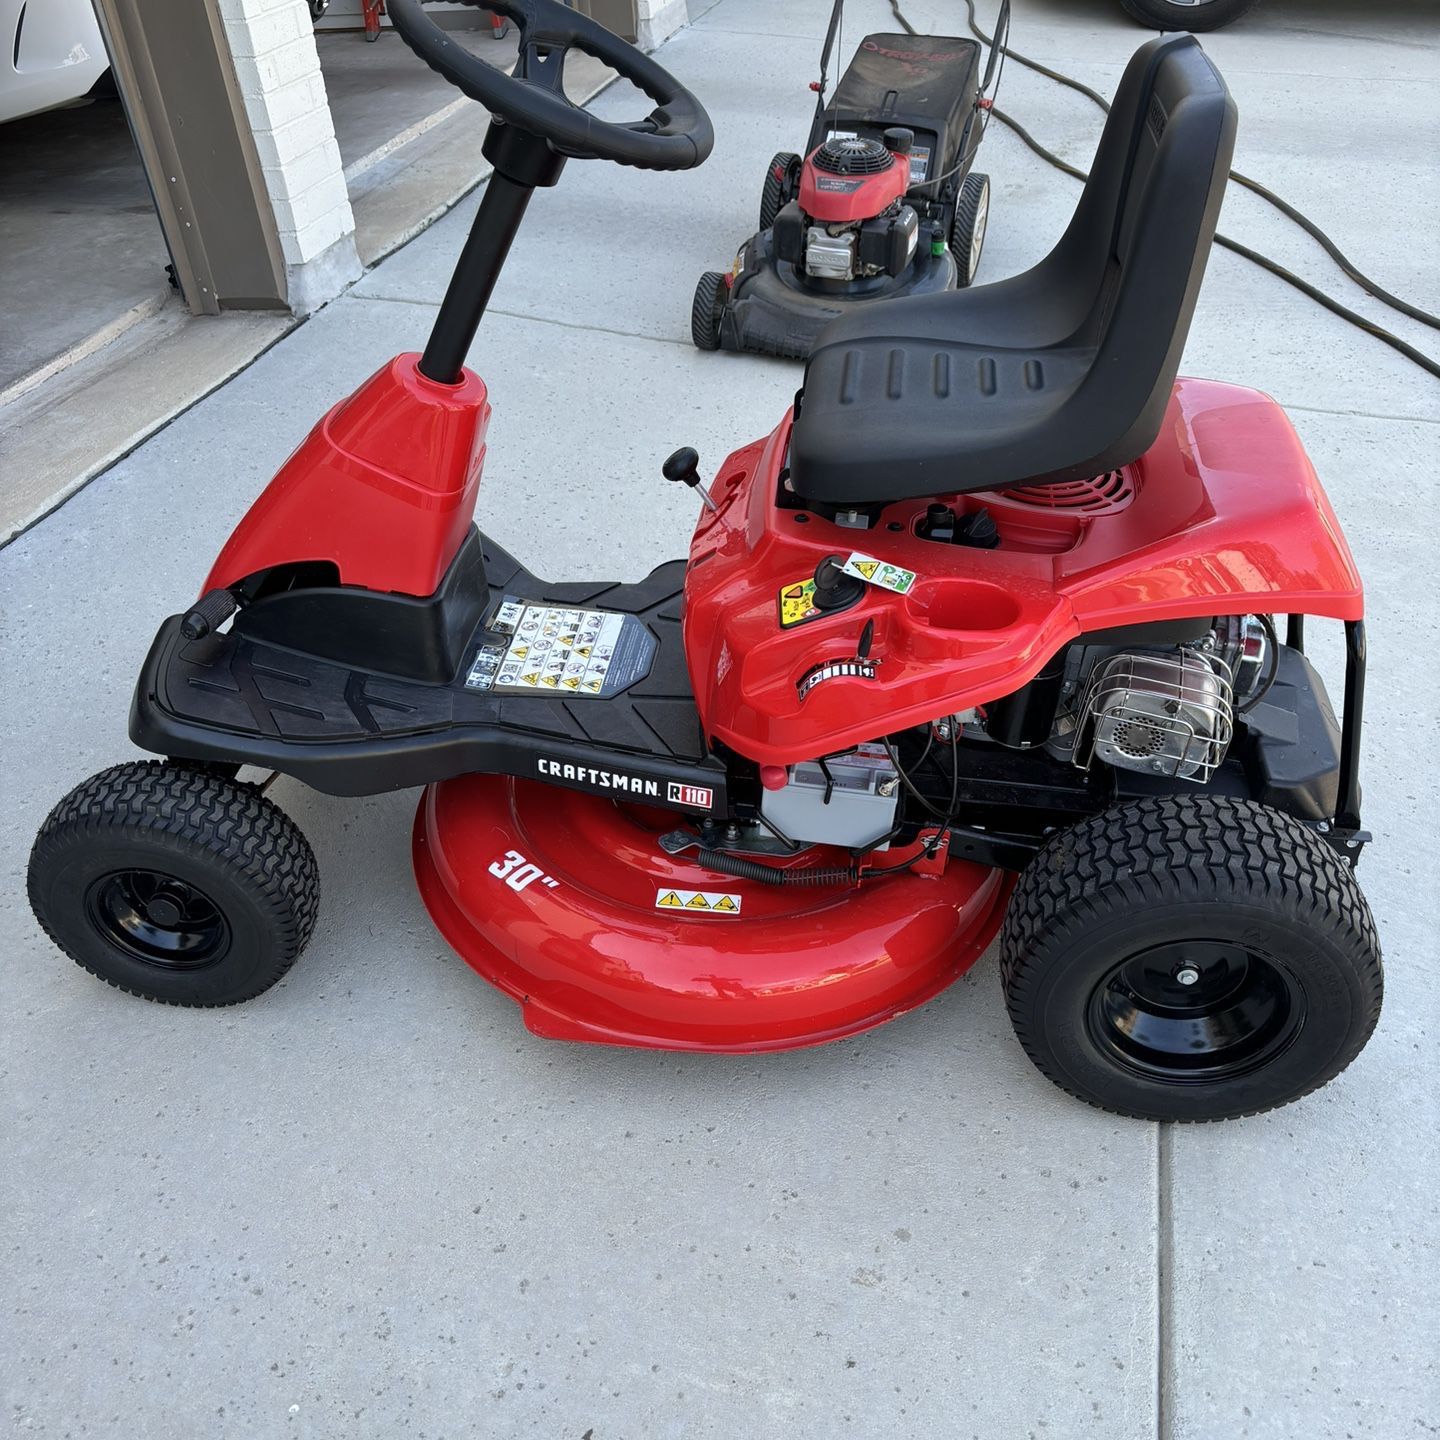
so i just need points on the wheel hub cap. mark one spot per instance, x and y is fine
(158, 919)
(1192, 1011)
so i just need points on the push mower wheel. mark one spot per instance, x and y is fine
(967, 232)
(1190, 957)
(706, 309)
(1195, 15)
(175, 884)
(775, 192)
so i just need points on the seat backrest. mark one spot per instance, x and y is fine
(1129, 266)
(1059, 373)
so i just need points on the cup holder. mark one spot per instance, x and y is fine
(968, 606)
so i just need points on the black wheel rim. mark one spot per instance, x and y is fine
(1196, 1012)
(157, 919)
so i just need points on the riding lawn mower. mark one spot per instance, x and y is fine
(979, 640)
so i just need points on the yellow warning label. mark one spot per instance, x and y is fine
(880, 573)
(552, 647)
(697, 902)
(797, 603)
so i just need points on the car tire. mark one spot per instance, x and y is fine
(1197, 17)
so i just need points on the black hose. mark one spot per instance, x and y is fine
(762, 874)
(1404, 307)
(1297, 217)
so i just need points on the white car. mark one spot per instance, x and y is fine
(51, 53)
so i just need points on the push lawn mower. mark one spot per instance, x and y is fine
(978, 639)
(882, 204)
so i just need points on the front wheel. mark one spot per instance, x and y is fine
(1196, 15)
(706, 310)
(175, 884)
(967, 232)
(1190, 957)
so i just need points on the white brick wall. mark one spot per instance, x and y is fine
(272, 43)
(657, 20)
(273, 46)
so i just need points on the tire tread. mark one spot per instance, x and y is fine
(189, 806)
(1128, 848)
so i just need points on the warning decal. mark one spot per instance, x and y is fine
(555, 650)
(879, 572)
(486, 667)
(797, 603)
(697, 902)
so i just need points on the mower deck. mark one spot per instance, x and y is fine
(347, 730)
(773, 311)
(576, 913)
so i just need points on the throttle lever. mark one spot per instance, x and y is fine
(682, 466)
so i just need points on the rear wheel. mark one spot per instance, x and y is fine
(1190, 958)
(967, 232)
(175, 884)
(1197, 15)
(706, 310)
(778, 187)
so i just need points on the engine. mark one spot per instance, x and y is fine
(1163, 710)
(851, 221)
(1168, 712)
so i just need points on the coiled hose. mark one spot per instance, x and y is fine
(1361, 322)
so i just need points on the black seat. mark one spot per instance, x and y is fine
(1060, 373)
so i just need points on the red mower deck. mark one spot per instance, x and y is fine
(614, 949)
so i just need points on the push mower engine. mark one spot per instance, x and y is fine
(851, 220)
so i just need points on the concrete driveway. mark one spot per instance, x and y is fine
(370, 1204)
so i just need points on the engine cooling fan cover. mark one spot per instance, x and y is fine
(853, 155)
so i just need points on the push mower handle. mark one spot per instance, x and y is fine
(676, 135)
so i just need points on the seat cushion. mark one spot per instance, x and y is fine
(892, 418)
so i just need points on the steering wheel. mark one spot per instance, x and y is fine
(676, 135)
